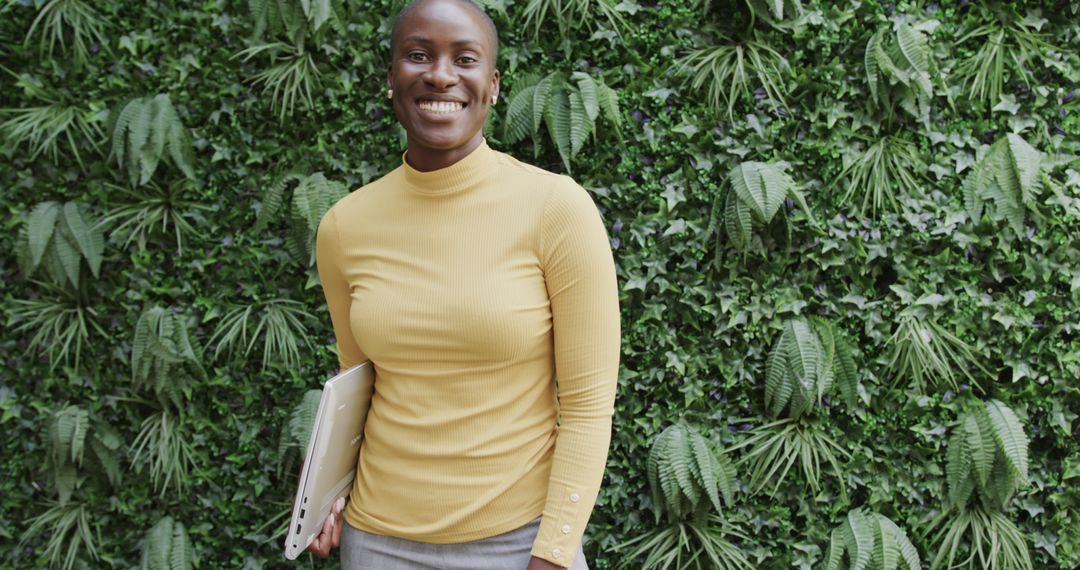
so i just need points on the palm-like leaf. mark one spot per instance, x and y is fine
(1006, 50)
(69, 530)
(572, 14)
(279, 323)
(776, 447)
(290, 78)
(729, 72)
(43, 128)
(886, 166)
(924, 353)
(59, 325)
(61, 21)
(693, 545)
(163, 445)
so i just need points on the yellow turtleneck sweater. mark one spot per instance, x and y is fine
(484, 293)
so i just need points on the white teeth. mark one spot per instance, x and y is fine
(441, 107)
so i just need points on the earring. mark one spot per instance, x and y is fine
(494, 99)
(389, 93)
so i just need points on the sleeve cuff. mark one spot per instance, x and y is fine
(561, 529)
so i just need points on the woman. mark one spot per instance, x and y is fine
(469, 280)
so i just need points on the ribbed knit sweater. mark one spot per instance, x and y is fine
(484, 294)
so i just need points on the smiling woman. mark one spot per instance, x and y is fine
(442, 79)
(469, 279)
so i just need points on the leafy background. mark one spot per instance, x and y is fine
(159, 195)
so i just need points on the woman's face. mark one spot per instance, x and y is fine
(443, 75)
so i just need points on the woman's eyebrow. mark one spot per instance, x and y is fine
(456, 43)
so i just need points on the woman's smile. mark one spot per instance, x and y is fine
(440, 108)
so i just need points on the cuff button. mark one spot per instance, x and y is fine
(574, 497)
(556, 553)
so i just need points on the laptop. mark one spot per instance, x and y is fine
(330, 463)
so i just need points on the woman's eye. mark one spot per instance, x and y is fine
(467, 59)
(416, 56)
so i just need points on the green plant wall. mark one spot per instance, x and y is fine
(906, 172)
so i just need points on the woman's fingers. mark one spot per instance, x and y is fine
(330, 535)
(339, 506)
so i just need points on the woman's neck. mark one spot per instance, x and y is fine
(426, 159)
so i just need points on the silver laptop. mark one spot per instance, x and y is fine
(330, 463)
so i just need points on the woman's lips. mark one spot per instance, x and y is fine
(440, 107)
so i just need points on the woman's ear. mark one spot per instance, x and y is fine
(495, 84)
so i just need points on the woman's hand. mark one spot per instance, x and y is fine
(330, 536)
(541, 564)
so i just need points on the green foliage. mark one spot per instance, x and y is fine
(1009, 176)
(59, 237)
(988, 458)
(803, 366)
(51, 121)
(572, 14)
(758, 189)
(297, 432)
(279, 323)
(161, 342)
(59, 325)
(1006, 46)
(64, 21)
(568, 110)
(989, 538)
(775, 447)
(311, 199)
(898, 65)
(168, 547)
(71, 433)
(144, 128)
(729, 71)
(290, 78)
(69, 532)
(686, 546)
(924, 354)
(152, 209)
(163, 445)
(871, 541)
(928, 299)
(881, 169)
(687, 474)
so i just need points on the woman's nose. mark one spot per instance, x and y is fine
(441, 74)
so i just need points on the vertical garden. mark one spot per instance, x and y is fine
(847, 236)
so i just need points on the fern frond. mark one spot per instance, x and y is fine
(1009, 436)
(519, 114)
(41, 226)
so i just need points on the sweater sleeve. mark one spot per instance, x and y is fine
(329, 258)
(580, 275)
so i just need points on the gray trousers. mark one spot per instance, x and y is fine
(510, 551)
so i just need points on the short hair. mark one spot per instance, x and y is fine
(470, 4)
